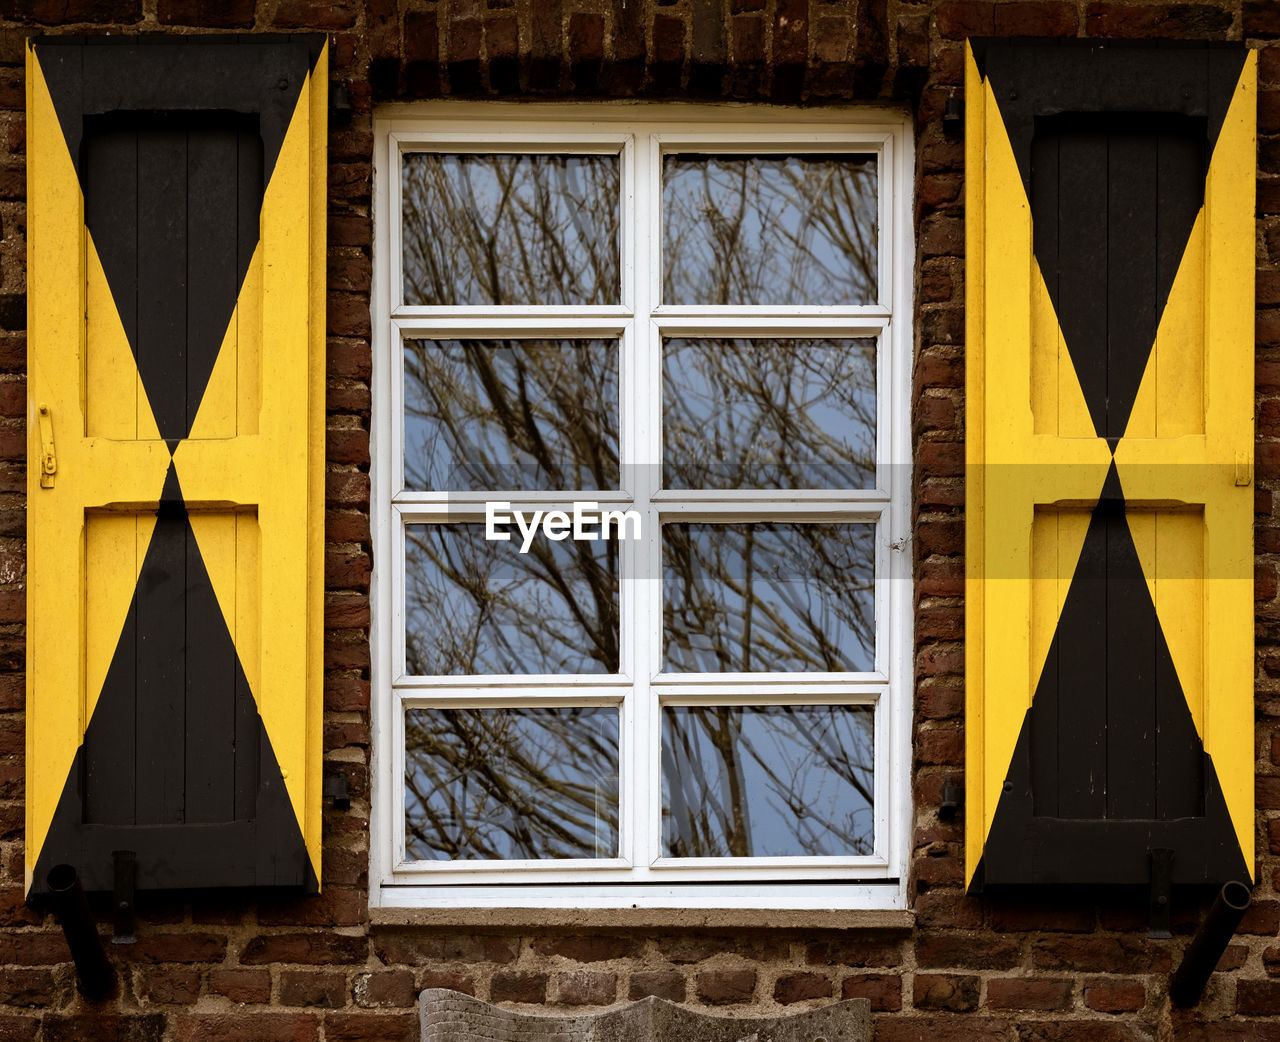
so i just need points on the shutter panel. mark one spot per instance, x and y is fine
(1109, 594)
(176, 214)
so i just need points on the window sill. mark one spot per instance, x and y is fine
(650, 918)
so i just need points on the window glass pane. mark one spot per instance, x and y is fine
(478, 606)
(767, 781)
(768, 597)
(510, 414)
(741, 413)
(779, 229)
(510, 229)
(511, 783)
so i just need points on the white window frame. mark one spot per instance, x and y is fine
(640, 879)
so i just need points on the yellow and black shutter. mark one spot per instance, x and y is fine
(176, 214)
(1109, 616)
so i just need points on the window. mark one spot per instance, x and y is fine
(677, 340)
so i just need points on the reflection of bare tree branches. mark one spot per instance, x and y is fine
(768, 596)
(777, 413)
(511, 783)
(477, 607)
(511, 414)
(769, 229)
(750, 781)
(510, 229)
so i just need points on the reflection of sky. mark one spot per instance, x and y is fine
(768, 597)
(475, 606)
(767, 781)
(756, 413)
(511, 229)
(489, 415)
(769, 229)
(511, 783)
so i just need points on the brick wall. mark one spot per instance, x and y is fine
(239, 967)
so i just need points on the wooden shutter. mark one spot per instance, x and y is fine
(1109, 595)
(176, 214)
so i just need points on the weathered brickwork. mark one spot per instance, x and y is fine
(237, 967)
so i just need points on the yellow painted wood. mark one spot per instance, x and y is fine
(1216, 280)
(252, 471)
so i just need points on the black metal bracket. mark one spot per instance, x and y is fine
(126, 874)
(953, 117)
(951, 797)
(335, 786)
(1161, 891)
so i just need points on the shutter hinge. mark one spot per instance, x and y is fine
(48, 459)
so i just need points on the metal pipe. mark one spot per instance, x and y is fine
(95, 976)
(1206, 947)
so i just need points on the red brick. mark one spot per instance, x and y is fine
(168, 985)
(862, 953)
(1261, 18)
(29, 987)
(348, 314)
(247, 1027)
(103, 1025)
(33, 949)
(1093, 954)
(798, 987)
(242, 985)
(951, 992)
(1258, 998)
(225, 14)
(1028, 993)
(882, 990)
(1016, 916)
(972, 950)
(350, 271)
(179, 947)
(19, 1029)
(371, 1027)
(444, 979)
(1263, 917)
(518, 987)
(687, 948)
(315, 14)
(587, 988)
(346, 487)
(300, 988)
(1076, 1031)
(665, 984)
(960, 18)
(1177, 20)
(1115, 996)
(941, 1029)
(66, 12)
(348, 570)
(309, 948)
(1036, 19)
(939, 699)
(725, 987)
(588, 947)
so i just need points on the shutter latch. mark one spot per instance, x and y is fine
(1244, 470)
(48, 459)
